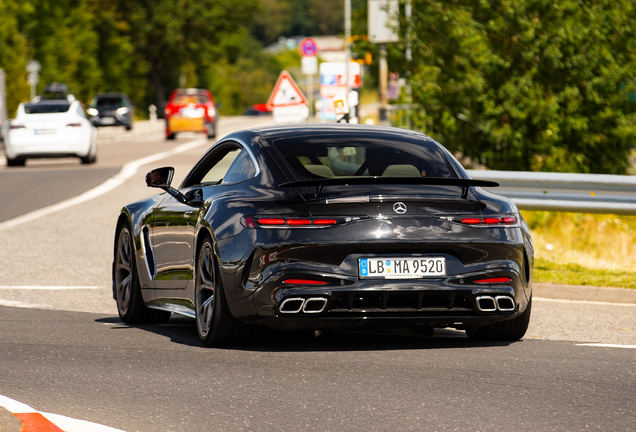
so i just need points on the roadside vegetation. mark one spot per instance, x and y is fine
(584, 249)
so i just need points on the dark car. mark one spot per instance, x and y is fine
(111, 109)
(325, 226)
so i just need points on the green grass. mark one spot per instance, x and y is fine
(584, 249)
(546, 271)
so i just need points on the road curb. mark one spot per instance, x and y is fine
(583, 292)
(9, 422)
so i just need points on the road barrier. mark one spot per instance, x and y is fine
(585, 193)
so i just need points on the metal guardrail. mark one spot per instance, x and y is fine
(585, 193)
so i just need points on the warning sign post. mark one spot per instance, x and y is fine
(287, 102)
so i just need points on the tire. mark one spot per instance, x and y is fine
(216, 326)
(127, 291)
(16, 162)
(128, 127)
(90, 159)
(170, 136)
(212, 131)
(511, 330)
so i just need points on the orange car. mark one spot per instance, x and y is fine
(190, 110)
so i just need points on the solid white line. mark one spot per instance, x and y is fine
(590, 302)
(7, 287)
(68, 424)
(126, 172)
(607, 345)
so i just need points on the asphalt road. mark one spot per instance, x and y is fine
(63, 349)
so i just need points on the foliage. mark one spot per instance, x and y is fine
(528, 84)
(583, 248)
(14, 53)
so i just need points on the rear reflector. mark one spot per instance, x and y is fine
(304, 282)
(494, 280)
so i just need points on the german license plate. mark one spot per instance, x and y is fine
(402, 267)
(44, 131)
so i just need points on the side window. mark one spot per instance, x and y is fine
(241, 169)
(234, 167)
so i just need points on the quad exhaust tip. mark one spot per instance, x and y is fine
(494, 304)
(312, 305)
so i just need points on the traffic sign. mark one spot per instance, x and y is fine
(308, 47)
(286, 93)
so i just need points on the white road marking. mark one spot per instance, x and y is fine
(6, 287)
(590, 302)
(601, 345)
(18, 304)
(67, 424)
(126, 172)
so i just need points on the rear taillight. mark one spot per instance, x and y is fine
(17, 127)
(497, 280)
(74, 125)
(253, 222)
(490, 221)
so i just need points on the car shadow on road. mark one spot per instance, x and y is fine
(182, 330)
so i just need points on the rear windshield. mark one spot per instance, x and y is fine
(343, 157)
(184, 98)
(109, 101)
(47, 108)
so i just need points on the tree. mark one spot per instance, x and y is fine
(14, 53)
(528, 84)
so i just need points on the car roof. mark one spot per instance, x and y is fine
(330, 129)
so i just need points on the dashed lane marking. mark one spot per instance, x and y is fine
(601, 345)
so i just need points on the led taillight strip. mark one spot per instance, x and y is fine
(294, 221)
(490, 221)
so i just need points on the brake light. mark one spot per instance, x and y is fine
(271, 221)
(17, 127)
(304, 282)
(298, 222)
(493, 280)
(74, 125)
(253, 222)
(508, 220)
(325, 221)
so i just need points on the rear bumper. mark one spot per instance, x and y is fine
(346, 301)
(58, 145)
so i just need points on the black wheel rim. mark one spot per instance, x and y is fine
(124, 271)
(205, 290)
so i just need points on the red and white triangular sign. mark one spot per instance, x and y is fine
(286, 93)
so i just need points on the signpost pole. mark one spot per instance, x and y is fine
(347, 51)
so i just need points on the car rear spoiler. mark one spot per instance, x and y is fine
(435, 181)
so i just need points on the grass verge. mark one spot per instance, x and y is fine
(584, 249)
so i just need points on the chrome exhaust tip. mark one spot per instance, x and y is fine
(292, 305)
(486, 304)
(505, 303)
(315, 305)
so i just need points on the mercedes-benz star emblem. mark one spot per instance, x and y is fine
(399, 207)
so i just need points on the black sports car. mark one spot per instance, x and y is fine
(325, 226)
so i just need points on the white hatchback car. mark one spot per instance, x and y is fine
(50, 128)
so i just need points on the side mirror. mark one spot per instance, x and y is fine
(160, 177)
